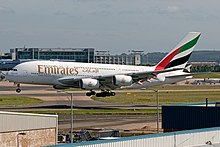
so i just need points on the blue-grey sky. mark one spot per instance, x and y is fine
(115, 25)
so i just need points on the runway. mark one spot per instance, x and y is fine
(61, 100)
(53, 99)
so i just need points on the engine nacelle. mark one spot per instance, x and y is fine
(89, 84)
(60, 87)
(122, 80)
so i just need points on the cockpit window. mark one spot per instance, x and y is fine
(14, 69)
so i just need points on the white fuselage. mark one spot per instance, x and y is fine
(48, 72)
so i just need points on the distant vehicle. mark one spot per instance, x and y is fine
(106, 77)
(206, 80)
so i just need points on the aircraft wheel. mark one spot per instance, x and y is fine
(18, 90)
(88, 94)
(103, 94)
(98, 94)
(112, 93)
(109, 94)
(93, 92)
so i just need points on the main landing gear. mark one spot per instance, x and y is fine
(101, 94)
(18, 89)
(90, 93)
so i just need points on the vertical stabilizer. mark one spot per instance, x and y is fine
(179, 56)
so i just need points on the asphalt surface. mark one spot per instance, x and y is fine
(53, 99)
(121, 122)
(61, 100)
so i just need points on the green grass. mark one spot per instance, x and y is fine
(170, 97)
(184, 87)
(15, 101)
(208, 75)
(97, 112)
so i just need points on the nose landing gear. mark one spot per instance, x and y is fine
(18, 89)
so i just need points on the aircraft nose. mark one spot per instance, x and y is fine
(8, 75)
(5, 74)
(2, 76)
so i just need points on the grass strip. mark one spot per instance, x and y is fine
(17, 101)
(169, 97)
(97, 111)
(184, 87)
(208, 75)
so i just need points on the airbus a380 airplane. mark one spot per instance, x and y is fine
(107, 77)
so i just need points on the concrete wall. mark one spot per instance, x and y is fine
(30, 138)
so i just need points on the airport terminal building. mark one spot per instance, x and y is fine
(74, 54)
(133, 58)
(86, 55)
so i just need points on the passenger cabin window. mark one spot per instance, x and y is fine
(14, 69)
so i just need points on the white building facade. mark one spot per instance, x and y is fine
(25, 129)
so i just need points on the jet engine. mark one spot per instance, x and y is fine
(89, 84)
(122, 80)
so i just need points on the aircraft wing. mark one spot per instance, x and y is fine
(150, 74)
(136, 76)
(188, 74)
(107, 79)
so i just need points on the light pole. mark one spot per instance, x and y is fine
(71, 121)
(157, 91)
(71, 115)
(18, 138)
(157, 97)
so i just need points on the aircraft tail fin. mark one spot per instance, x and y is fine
(179, 56)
